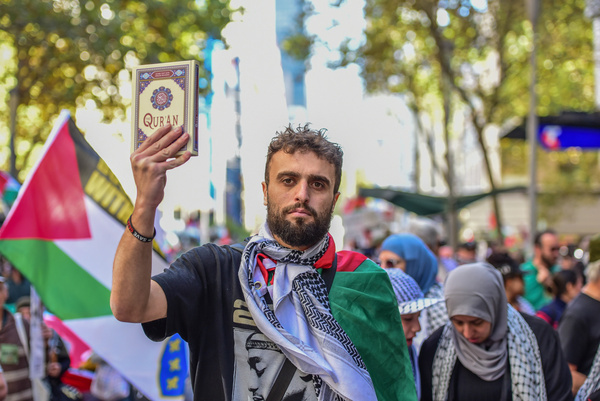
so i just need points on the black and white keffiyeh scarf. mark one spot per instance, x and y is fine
(433, 317)
(301, 323)
(437, 315)
(527, 376)
(592, 383)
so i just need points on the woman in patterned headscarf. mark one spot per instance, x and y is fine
(410, 254)
(411, 303)
(488, 350)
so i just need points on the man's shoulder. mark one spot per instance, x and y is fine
(528, 266)
(539, 326)
(212, 251)
(9, 328)
(351, 261)
(10, 318)
(582, 305)
(205, 258)
(576, 317)
(356, 274)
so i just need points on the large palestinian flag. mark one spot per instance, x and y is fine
(62, 233)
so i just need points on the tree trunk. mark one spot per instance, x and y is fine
(488, 169)
(452, 218)
(592, 11)
(13, 104)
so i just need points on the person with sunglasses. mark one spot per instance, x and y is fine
(409, 253)
(538, 271)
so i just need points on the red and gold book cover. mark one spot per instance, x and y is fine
(165, 93)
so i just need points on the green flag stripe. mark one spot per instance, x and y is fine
(48, 268)
(376, 330)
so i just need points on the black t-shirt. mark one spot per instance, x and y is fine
(229, 358)
(465, 385)
(579, 332)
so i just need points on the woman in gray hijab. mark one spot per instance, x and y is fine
(488, 350)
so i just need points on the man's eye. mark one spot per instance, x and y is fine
(287, 181)
(318, 184)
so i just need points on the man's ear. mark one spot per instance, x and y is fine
(265, 197)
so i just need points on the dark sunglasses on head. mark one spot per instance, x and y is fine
(390, 263)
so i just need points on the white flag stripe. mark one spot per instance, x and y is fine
(96, 255)
(125, 347)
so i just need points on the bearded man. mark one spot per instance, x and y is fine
(539, 270)
(331, 317)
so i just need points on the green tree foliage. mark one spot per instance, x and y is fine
(62, 54)
(473, 58)
(298, 42)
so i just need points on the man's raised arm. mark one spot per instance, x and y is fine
(134, 296)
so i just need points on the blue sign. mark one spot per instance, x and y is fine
(559, 137)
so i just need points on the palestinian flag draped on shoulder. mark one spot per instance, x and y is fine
(376, 331)
(62, 233)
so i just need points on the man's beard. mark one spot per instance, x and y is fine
(298, 233)
(548, 261)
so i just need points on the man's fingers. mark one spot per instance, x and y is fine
(169, 145)
(160, 153)
(179, 160)
(167, 140)
(155, 137)
(169, 152)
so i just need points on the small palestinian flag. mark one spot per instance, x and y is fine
(9, 187)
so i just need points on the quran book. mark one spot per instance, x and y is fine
(165, 93)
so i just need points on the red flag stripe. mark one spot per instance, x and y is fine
(52, 205)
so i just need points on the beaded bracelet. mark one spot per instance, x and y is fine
(138, 235)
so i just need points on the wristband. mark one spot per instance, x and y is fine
(138, 235)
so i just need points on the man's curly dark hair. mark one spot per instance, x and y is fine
(304, 139)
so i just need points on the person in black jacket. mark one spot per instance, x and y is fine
(488, 350)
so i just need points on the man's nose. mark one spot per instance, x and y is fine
(302, 194)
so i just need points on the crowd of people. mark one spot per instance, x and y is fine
(284, 316)
(15, 346)
(16, 342)
(529, 329)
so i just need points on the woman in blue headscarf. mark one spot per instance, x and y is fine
(410, 254)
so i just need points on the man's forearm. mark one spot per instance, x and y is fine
(578, 378)
(132, 271)
(134, 296)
